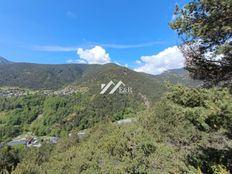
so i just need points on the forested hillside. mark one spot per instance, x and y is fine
(39, 76)
(183, 133)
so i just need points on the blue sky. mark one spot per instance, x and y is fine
(121, 31)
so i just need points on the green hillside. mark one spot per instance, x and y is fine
(53, 77)
(37, 76)
(179, 76)
(188, 131)
(71, 99)
(59, 100)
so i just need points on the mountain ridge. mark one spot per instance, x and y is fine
(4, 61)
(57, 76)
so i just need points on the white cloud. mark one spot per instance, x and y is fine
(53, 48)
(61, 48)
(170, 58)
(138, 62)
(125, 65)
(117, 63)
(96, 55)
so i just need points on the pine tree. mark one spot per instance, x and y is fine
(205, 29)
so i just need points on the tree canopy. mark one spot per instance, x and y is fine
(205, 27)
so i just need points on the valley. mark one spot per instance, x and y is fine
(77, 104)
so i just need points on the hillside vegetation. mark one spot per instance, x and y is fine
(188, 131)
(58, 115)
(37, 76)
(40, 76)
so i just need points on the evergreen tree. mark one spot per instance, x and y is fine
(205, 27)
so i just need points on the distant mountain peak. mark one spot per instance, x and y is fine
(4, 61)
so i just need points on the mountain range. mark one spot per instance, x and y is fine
(51, 76)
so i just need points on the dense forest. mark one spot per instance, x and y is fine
(188, 131)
